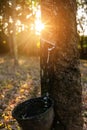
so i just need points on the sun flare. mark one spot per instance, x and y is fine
(38, 26)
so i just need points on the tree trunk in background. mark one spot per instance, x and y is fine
(64, 87)
(10, 40)
(15, 49)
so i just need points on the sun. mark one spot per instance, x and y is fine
(38, 26)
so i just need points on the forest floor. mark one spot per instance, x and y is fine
(22, 82)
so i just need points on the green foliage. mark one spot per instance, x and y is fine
(82, 46)
(83, 39)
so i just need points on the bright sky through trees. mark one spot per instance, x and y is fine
(82, 17)
(82, 25)
(39, 26)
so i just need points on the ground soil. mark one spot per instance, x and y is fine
(22, 82)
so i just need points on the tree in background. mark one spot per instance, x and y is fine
(60, 65)
(82, 26)
(15, 17)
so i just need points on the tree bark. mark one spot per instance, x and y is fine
(65, 87)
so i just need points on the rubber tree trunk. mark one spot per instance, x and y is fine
(59, 17)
